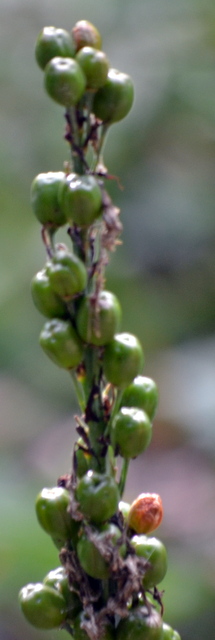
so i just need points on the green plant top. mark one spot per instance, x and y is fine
(110, 565)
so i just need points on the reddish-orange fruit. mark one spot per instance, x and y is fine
(146, 513)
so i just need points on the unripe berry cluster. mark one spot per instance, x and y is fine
(106, 586)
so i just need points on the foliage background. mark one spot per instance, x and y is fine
(164, 274)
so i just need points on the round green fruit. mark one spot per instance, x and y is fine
(95, 65)
(154, 551)
(98, 496)
(67, 274)
(52, 42)
(123, 359)
(64, 81)
(58, 579)
(81, 199)
(42, 606)
(44, 198)
(84, 33)
(52, 513)
(113, 101)
(141, 625)
(131, 432)
(45, 299)
(98, 321)
(61, 343)
(169, 633)
(91, 552)
(141, 393)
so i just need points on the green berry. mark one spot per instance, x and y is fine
(113, 101)
(154, 551)
(123, 359)
(98, 496)
(64, 81)
(141, 624)
(141, 393)
(95, 65)
(42, 606)
(97, 321)
(58, 579)
(67, 273)
(81, 199)
(44, 298)
(131, 432)
(53, 515)
(169, 633)
(90, 551)
(52, 42)
(44, 198)
(61, 343)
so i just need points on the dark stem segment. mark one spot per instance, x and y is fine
(123, 476)
(66, 627)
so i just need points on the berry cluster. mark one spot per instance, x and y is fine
(106, 586)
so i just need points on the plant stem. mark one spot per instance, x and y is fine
(79, 391)
(114, 410)
(99, 159)
(123, 476)
(75, 140)
(66, 627)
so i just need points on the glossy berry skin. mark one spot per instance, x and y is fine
(98, 496)
(53, 516)
(90, 556)
(44, 198)
(57, 579)
(52, 42)
(107, 632)
(61, 344)
(169, 633)
(81, 199)
(42, 606)
(84, 33)
(140, 625)
(146, 513)
(98, 322)
(95, 65)
(154, 551)
(45, 299)
(113, 101)
(123, 359)
(64, 81)
(67, 274)
(131, 432)
(141, 393)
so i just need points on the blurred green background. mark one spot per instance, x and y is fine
(164, 275)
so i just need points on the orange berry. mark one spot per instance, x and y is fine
(146, 513)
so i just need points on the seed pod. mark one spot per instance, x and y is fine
(42, 606)
(64, 81)
(61, 343)
(52, 42)
(84, 33)
(146, 513)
